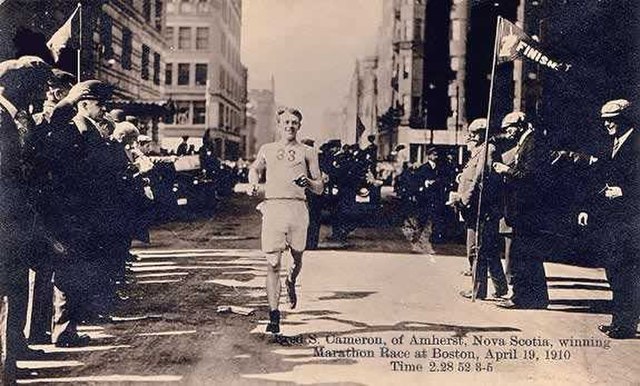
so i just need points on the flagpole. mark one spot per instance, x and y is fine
(478, 239)
(78, 51)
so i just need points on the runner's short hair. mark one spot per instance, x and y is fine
(289, 110)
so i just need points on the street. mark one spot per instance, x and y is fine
(351, 303)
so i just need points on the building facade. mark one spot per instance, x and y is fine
(435, 65)
(120, 43)
(434, 71)
(204, 75)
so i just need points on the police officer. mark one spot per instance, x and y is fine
(525, 183)
(75, 221)
(473, 182)
(426, 187)
(614, 214)
(315, 206)
(22, 84)
(37, 155)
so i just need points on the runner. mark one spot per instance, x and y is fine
(292, 168)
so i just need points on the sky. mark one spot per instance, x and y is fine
(310, 47)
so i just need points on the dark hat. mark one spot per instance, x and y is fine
(614, 108)
(29, 71)
(432, 150)
(90, 90)
(334, 143)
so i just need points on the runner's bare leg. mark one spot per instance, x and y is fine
(273, 279)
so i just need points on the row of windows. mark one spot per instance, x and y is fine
(106, 38)
(148, 11)
(194, 112)
(190, 112)
(185, 38)
(227, 84)
(184, 74)
(189, 6)
(228, 117)
(408, 30)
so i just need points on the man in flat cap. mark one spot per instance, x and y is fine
(474, 175)
(525, 182)
(22, 84)
(615, 214)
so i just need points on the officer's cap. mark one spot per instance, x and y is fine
(334, 143)
(614, 108)
(125, 130)
(432, 150)
(478, 125)
(90, 90)
(513, 119)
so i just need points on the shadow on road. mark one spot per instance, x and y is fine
(576, 279)
(582, 306)
(580, 286)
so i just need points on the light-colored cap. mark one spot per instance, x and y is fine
(513, 118)
(144, 138)
(479, 124)
(125, 129)
(614, 108)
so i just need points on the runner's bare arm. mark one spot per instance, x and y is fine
(255, 171)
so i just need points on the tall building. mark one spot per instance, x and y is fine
(204, 76)
(262, 105)
(402, 103)
(248, 127)
(121, 43)
(435, 66)
(433, 72)
(361, 109)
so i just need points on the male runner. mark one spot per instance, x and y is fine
(291, 169)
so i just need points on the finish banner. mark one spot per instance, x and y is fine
(515, 44)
